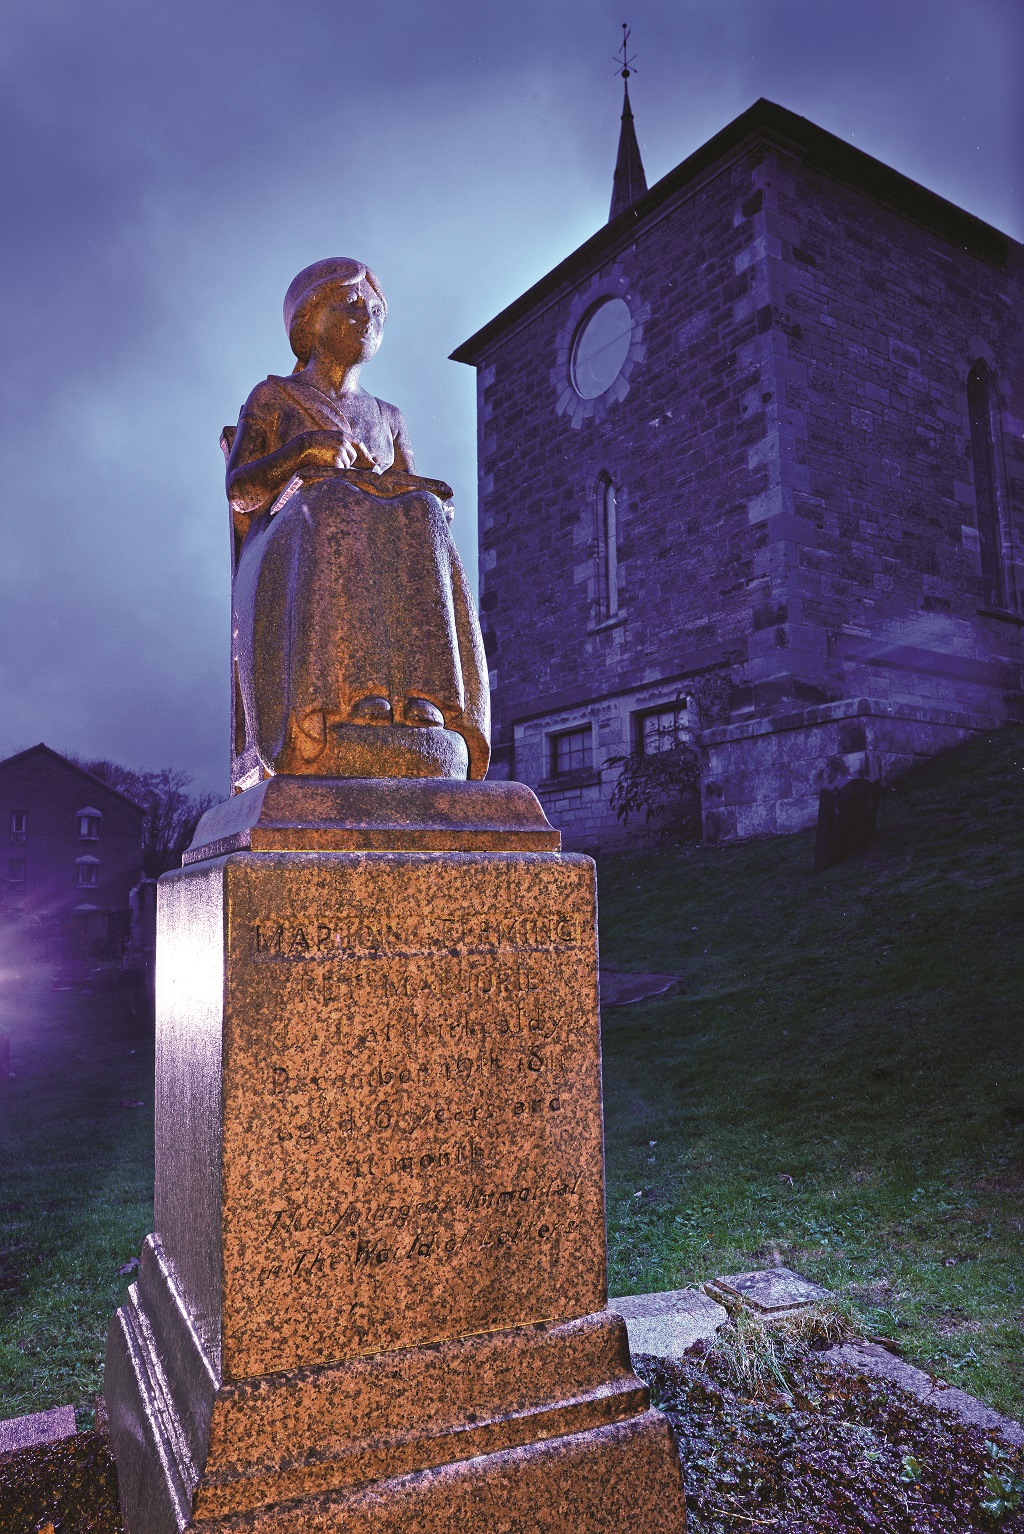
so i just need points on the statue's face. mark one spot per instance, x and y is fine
(350, 323)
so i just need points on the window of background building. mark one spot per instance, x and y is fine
(600, 347)
(19, 826)
(661, 728)
(88, 872)
(89, 824)
(607, 548)
(570, 752)
(984, 451)
(16, 872)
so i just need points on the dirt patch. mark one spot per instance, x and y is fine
(1011, 1181)
(956, 1326)
(873, 1293)
(71, 1485)
(834, 1453)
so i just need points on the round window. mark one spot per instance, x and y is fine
(600, 347)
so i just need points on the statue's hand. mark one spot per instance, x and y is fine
(335, 450)
(354, 455)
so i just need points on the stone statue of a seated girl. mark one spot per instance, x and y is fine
(356, 649)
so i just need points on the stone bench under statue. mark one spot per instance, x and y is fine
(375, 1298)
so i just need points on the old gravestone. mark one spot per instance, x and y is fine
(375, 1299)
(847, 812)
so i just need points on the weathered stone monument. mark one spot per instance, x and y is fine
(375, 1299)
(847, 812)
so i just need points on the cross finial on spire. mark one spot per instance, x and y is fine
(629, 181)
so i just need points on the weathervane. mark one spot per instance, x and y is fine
(624, 66)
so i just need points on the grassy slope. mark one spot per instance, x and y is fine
(76, 1187)
(832, 1087)
(858, 1031)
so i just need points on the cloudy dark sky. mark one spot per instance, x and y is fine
(167, 168)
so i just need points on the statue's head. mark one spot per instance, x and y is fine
(320, 300)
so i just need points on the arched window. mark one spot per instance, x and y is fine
(607, 549)
(981, 407)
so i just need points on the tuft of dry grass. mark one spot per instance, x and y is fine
(759, 1351)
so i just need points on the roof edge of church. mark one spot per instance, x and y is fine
(820, 149)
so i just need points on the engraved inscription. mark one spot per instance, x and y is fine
(375, 1232)
(430, 1076)
(420, 1130)
(368, 932)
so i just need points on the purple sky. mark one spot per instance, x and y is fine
(168, 168)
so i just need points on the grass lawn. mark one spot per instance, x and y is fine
(841, 1086)
(76, 1186)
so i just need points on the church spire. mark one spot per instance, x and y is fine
(629, 181)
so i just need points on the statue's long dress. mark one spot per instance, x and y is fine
(349, 585)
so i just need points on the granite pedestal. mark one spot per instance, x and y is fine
(376, 1298)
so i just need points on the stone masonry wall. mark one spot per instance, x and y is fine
(762, 777)
(579, 804)
(686, 449)
(791, 456)
(876, 323)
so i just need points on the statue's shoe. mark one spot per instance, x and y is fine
(419, 711)
(374, 711)
(311, 734)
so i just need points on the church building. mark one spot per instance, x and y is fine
(751, 477)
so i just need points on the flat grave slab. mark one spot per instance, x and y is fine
(870, 1358)
(665, 1325)
(39, 1427)
(619, 989)
(768, 1292)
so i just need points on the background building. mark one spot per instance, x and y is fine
(71, 844)
(751, 475)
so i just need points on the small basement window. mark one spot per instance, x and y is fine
(19, 827)
(661, 729)
(16, 872)
(570, 752)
